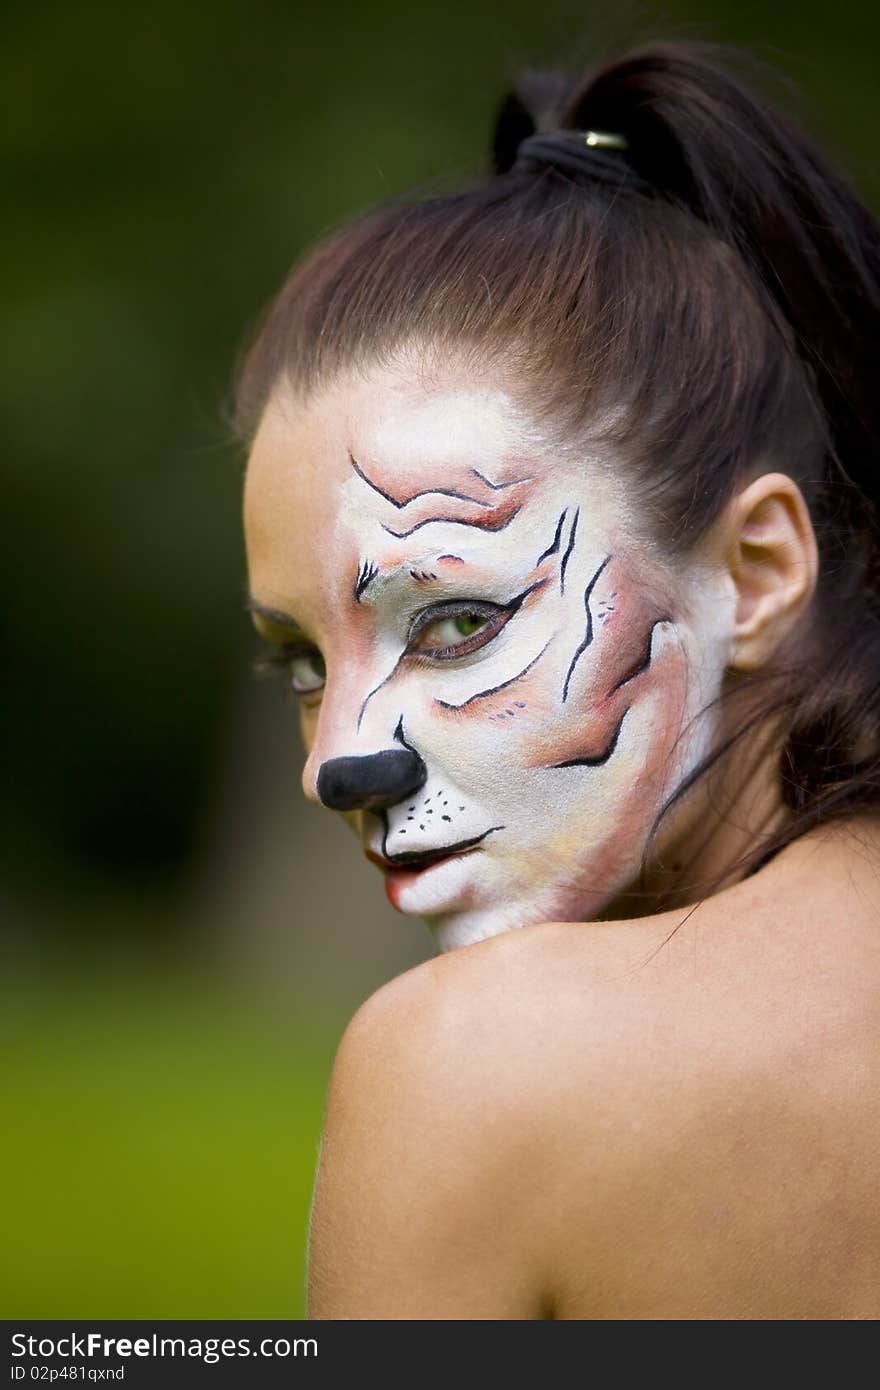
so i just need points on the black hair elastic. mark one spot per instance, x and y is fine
(579, 153)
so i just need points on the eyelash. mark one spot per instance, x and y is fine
(279, 663)
(282, 659)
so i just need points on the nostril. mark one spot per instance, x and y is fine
(372, 781)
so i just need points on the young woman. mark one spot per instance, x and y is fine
(560, 516)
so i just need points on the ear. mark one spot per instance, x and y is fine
(772, 557)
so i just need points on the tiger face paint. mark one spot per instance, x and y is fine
(501, 682)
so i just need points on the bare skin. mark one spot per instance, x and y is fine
(617, 1112)
(607, 659)
(593, 1121)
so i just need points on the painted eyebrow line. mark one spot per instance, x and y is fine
(369, 571)
(366, 574)
(495, 486)
(427, 492)
(484, 525)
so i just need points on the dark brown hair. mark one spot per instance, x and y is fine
(715, 317)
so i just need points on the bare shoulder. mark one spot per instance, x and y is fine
(758, 973)
(417, 1209)
(820, 896)
(619, 1119)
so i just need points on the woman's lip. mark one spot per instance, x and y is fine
(404, 873)
(414, 866)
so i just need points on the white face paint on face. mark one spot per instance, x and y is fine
(498, 670)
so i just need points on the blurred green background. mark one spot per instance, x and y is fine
(185, 937)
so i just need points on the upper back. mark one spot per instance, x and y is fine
(704, 1090)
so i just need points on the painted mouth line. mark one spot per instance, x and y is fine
(417, 863)
(420, 859)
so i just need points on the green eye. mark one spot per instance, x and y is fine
(468, 623)
(444, 635)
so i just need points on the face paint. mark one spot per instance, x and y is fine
(515, 679)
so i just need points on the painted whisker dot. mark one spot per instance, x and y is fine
(421, 827)
(446, 818)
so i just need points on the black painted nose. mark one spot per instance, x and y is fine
(372, 781)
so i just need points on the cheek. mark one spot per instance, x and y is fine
(569, 706)
(592, 722)
(600, 815)
(628, 650)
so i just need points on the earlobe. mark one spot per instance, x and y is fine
(772, 557)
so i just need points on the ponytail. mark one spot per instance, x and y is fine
(760, 183)
(724, 297)
(703, 140)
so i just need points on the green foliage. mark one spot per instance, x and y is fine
(165, 166)
(162, 1152)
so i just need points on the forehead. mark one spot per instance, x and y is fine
(386, 469)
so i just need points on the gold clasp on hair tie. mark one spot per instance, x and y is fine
(603, 139)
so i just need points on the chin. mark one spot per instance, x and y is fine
(551, 902)
(452, 929)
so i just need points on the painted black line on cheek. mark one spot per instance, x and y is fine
(588, 636)
(454, 521)
(375, 691)
(554, 546)
(481, 694)
(427, 492)
(568, 551)
(643, 663)
(600, 758)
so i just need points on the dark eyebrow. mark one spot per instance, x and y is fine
(271, 615)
